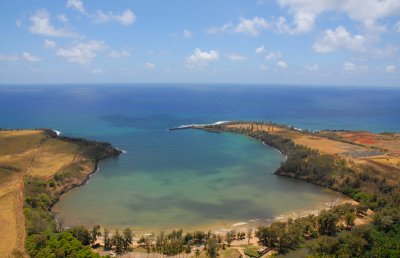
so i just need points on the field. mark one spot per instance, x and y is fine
(381, 151)
(27, 153)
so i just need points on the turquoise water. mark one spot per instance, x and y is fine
(190, 178)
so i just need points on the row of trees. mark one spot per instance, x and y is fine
(284, 236)
(371, 188)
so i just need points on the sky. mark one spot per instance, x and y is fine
(315, 42)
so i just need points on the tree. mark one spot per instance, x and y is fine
(361, 209)
(327, 222)
(118, 241)
(212, 247)
(95, 233)
(82, 234)
(349, 219)
(107, 240)
(127, 238)
(229, 237)
(249, 235)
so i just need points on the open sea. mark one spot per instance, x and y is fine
(190, 178)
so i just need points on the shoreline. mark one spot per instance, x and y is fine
(294, 213)
(74, 186)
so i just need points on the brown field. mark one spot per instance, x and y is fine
(379, 150)
(33, 153)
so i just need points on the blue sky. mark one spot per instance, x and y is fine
(325, 42)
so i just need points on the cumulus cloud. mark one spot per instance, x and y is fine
(62, 18)
(263, 67)
(199, 56)
(397, 27)
(282, 64)
(305, 12)
(390, 68)
(312, 68)
(187, 34)
(29, 57)
(23, 56)
(125, 18)
(49, 44)
(149, 65)
(303, 23)
(350, 67)
(97, 71)
(273, 55)
(333, 40)
(261, 50)
(19, 23)
(236, 57)
(118, 54)
(77, 5)
(227, 27)
(251, 26)
(81, 53)
(41, 25)
(4, 57)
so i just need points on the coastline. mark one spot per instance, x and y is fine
(74, 186)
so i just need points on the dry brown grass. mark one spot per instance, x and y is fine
(348, 142)
(33, 153)
(323, 144)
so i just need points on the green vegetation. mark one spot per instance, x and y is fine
(340, 237)
(45, 237)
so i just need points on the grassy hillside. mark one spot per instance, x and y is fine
(28, 156)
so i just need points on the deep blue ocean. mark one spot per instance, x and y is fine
(191, 177)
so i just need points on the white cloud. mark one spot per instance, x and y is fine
(41, 25)
(303, 23)
(126, 18)
(282, 64)
(390, 68)
(149, 65)
(333, 40)
(349, 67)
(19, 23)
(97, 71)
(49, 44)
(305, 12)
(236, 57)
(4, 57)
(261, 50)
(273, 55)
(227, 27)
(312, 68)
(187, 34)
(24, 56)
(81, 52)
(397, 27)
(199, 56)
(251, 26)
(30, 58)
(118, 54)
(77, 5)
(263, 67)
(62, 18)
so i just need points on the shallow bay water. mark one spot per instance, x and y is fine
(190, 178)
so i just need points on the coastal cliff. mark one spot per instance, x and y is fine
(36, 168)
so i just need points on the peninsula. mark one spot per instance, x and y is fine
(36, 167)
